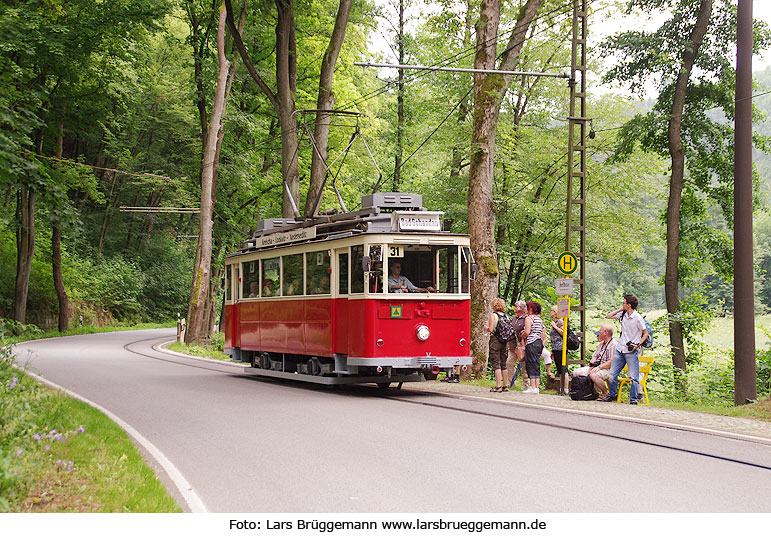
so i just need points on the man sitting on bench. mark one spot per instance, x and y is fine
(599, 367)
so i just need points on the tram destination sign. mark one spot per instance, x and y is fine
(416, 221)
(287, 237)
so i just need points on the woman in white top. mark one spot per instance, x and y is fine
(535, 338)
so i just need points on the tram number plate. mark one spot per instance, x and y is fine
(395, 251)
(426, 362)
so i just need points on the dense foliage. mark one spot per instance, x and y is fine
(121, 92)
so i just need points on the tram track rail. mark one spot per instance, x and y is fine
(164, 397)
(624, 428)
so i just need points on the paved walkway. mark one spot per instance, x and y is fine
(736, 427)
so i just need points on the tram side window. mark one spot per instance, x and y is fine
(293, 275)
(252, 279)
(447, 260)
(376, 268)
(465, 266)
(318, 271)
(270, 278)
(357, 272)
(342, 272)
(228, 283)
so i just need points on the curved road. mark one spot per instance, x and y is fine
(256, 445)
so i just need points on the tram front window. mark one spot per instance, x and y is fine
(414, 272)
(420, 269)
(447, 269)
(465, 266)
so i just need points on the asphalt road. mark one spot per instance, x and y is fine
(256, 445)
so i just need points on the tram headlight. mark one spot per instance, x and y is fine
(423, 332)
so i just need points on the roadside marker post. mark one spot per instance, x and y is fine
(567, 264)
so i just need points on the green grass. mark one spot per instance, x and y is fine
(198, 350)
(721, 333)
(28, 336)
(92, 466)
(211, 348)
(108, 475)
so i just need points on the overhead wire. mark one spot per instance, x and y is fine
(458, 104)
(464, 53)
(419, 74)
(560, 11)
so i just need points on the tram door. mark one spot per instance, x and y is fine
(340, 301)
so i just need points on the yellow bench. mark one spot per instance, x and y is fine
(646, 363)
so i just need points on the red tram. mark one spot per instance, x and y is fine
(323, 299)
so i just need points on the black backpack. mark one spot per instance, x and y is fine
(582, 388)
(505, 329)
(574, 343)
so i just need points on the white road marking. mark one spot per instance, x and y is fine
(191, 497)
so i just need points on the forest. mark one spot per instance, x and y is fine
(141, 141)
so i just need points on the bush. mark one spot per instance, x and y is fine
(763, 361)
(111, 282)
(20, 397)
(168, 269)
(218, 341)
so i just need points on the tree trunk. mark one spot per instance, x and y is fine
(211, 312)
(326, 100)
(196, 316)
(56, 265)
(677, 154)
(56, 255)
(286, 86)
(489, 90)
(25, 250)
(283, 99)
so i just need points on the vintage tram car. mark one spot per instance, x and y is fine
(310, 300)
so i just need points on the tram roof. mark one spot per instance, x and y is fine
(380, 213)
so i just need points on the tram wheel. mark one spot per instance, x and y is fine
(265, 361)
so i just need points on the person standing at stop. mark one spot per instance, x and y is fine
(535, 338)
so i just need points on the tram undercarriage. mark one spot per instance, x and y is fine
(335, 371)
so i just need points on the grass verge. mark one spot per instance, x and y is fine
(213, 348)
(60, 455)
(29, 336)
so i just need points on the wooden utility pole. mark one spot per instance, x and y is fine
(745, 378)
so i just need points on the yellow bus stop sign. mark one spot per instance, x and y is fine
(567, 262)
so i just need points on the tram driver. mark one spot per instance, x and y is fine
(399, 283)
